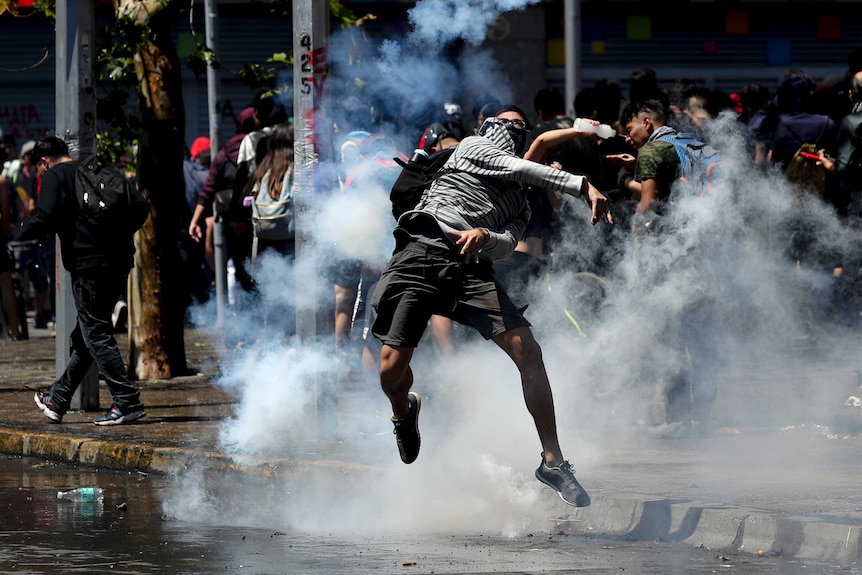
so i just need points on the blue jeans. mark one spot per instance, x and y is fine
(95, 293)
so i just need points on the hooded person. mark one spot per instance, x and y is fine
(786, 123)
(216, 193)
(195, 170)
(245, 121)
(483, 185)
(474, 212)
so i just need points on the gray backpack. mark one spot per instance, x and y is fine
(273, 219)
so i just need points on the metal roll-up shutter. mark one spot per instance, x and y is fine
(27, 101)
(242, 40)
(678, 32)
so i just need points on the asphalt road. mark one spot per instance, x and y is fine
(775, 476)
(132, 532)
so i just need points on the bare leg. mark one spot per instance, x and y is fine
(525, 351)
(369, 362)
(441, 328)
(344, 299)
(396, 377)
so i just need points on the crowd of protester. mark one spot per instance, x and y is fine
(370, 134)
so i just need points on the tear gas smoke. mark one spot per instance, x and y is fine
(408, 81)
(437, 22)
(725, 253)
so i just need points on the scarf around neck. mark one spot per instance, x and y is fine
(663, 131)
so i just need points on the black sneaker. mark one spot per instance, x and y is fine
(407, 430)
(116, 417)
(562, 480)
(43, 401)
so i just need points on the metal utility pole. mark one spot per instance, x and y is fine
(75, 87)
(213, 89)
(213, 80)
(572, 28)
(312, 135)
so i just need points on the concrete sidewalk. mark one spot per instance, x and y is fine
(737, 489)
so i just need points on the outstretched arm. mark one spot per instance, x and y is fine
(547, 140)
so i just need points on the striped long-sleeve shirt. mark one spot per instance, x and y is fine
(483, 189)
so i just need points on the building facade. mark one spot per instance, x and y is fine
(720, 44)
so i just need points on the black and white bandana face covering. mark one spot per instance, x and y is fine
(520, 138)
(508, 137)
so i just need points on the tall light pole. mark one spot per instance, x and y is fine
(213, 89)
(75, 87)
(312, 134)
(572, 31)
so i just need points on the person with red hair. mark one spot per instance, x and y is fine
(215, 194)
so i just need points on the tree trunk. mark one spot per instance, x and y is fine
(156, 300)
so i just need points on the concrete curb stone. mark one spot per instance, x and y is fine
(830, 541)
(711, 527)
(145, 458)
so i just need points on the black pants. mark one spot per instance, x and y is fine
(95, 293)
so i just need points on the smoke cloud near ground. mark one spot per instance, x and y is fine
(718, 263)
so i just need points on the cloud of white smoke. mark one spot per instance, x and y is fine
(718, 264)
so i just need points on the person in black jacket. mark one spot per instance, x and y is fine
(98, 260)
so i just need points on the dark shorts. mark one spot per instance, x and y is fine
(369, 284)
(422, 280)
(347, 273)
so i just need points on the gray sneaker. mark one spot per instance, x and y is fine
(562, 480)
(115, 416)
(44, 402)
(407, 430)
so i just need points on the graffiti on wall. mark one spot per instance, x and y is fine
(23, 122)
(27, 122)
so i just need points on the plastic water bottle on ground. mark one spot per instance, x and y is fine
(82, 494)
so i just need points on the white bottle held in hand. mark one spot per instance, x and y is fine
(604, 131)
(83, 494)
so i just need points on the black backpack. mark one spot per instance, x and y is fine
(107, 198)
(226, 177)
(414, 179)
